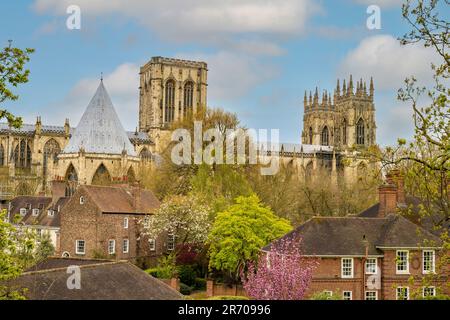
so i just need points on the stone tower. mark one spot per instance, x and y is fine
(344, 120)
(169, 89)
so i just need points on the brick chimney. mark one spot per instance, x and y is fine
(387, 194)
(395, 177)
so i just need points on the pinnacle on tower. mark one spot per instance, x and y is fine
(350, 86)
(371, 89)
(338, 87)
(316, 97)
(310, 99)
(305, 101)
(365, 89)
(344, 88)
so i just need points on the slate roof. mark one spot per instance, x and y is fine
(100, 280)
(111, 199)
(411, 211)
(341, 236)
(100, 130)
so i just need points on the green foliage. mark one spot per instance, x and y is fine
(153, 272)
(166, 267)
(16, 254)
(239, 233)
(323, 295)
(185, 289)
(200, 284)
(44, 247)
(219, 185)
(12, 73)
(187, 274)
(228, 298)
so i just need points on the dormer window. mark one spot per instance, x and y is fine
(35, 212)
(50, 213)
(82, 200)
(23, 211)
(28, 205)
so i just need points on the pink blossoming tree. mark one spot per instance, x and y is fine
(280, 274)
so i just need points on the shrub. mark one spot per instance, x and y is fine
(153, 272)
(323, 295)
(200, 284)
(187, 274)
(185, 289)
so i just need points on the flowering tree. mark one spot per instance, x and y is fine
(181, 216)
(281, 273)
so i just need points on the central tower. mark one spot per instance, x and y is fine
(169, 89)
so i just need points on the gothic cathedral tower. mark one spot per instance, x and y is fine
(169, 88)
(344, 121)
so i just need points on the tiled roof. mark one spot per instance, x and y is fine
(122, 199)
(100, 280)
(37, 202)
(100, 130)
(340, 236)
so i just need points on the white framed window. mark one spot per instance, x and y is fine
(371, 266)
(371, 295)
(80, 247)
(402, 293)
(65, 254)
(152, 244)
(428, 292)
(35, 212)
(428, 261)
(347, 295)
(50, 213)
(347, 267)
(82, 200)
(402, 261)
(146, 222)
(126, 246)
(23, 211)
(125, 223)
(112, 246)
(170, 242)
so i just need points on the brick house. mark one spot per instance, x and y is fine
(372, 256)
(105, 222)
(42, 214)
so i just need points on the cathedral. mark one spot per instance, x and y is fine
(99, 151)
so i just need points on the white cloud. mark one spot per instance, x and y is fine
(388, 62)
(122, 85)
(231, 75)
(382, 3)
(198, 19)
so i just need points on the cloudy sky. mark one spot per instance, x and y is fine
(262, 55)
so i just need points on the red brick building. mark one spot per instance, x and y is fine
(375, 255)
(105, 222)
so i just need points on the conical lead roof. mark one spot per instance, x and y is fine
(100, 130)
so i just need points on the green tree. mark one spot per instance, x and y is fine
(183, 216)
(425, 160)
(239, 233)
(12, 73)
(16, 247)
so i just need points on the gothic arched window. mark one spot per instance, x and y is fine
(360, 132)
(2, 155)
(101, 176)
(51, 151)
(324, 137)
(22, 155)
(310, 135)
(145, 155)
(344, 132)
(188, 96)
(169, 111)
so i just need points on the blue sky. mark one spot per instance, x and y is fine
(262, 55)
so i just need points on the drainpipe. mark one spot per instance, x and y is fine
(363, 267)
